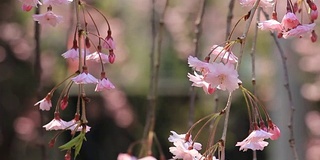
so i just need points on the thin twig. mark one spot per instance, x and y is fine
(243, 38)
(253, 65)
(37, 73)
(246, 30)
(197, 34)
(229, 18)
(289, 92)
(155, 57)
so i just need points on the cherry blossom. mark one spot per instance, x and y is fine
(48, 18)
(45, 103)
(184, 147)
(74, 124)
(255, 140)
(271, 25)
(222, 76)
(56, 2)
(290, 21)
(198, 65)
(104, 84)
(72, 54)
(84, 77)
(56, 124)
(183, 151)
(299, 31)
(96, 58)
(198, 81)
(224, 55)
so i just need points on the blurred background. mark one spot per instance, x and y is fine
(117, 117)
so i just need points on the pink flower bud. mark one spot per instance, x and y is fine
(314, 15)
(314, 36)
(112, 56)
(274, 130)
(67, 156)
(26, 8)
(52, 142)
(64, 102)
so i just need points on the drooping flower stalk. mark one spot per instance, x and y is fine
(289, 93)
(197, 34)
(243, 40)
(253, 65)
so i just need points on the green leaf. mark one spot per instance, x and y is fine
(75, 143)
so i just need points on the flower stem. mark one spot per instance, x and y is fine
(197, 33)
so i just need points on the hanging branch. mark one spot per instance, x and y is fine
(289, 92)
(253, 65)
(227, 109)
(197, 33)
(229, 17)
(37, 73)
(155, 57)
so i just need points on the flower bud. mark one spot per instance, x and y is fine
(111, 56)
(314, 15)
(26, 8)
(64, 102)
(314, 36)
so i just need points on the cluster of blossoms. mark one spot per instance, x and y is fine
(222, 75)
(82, 76)
(184, 148)
(255, 140)
(290, 26)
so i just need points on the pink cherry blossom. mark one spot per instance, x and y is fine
(299, 31)
(255, 140)
(290, 21)
(56, 124)
(274, 130)
(271, 25)
(48, 18)
(222, 76)
(104, 84)
(84, 78)
(96, 58)
(75, 124)
(198, 65)
(72, 54)
(56, 2)
(32, 3)
(183, 151)
(198, 81)
(187, 140)
(223, 55)
(45, 103)
(263, 3)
